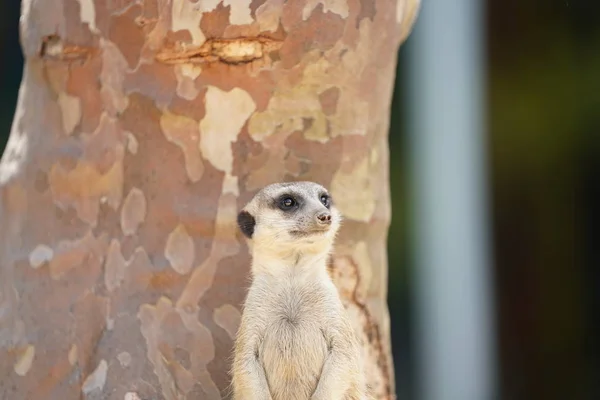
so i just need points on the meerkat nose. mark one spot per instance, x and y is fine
(324, 218)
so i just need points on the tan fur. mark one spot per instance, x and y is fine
(295, 341)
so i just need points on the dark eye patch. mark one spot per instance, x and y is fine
(288, 202)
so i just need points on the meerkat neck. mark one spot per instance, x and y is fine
(297, 262)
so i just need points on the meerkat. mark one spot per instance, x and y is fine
(295, 341)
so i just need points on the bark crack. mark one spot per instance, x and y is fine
(228, 51)
(371, 329)
(53, 47)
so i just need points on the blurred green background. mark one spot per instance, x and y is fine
(543, 100)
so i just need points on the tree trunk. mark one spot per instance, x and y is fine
(142, 127)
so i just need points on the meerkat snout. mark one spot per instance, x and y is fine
(324, 218)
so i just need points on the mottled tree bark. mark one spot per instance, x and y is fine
(142, 127)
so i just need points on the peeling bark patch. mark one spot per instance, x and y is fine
(240, 13)
(226, 114)
(114, 268)
(339, 7)
(97, 379)
(354, 203)
(133, 212)
(237, 12)
(186, 75)
(186, 16)
(124, 359)
(228, 317)
(73, 354)
(228, 51)
(180, 250)
(131, 396)
(132, 143)
(25, 361)
(185, 133)
(40, 255)
(70, 108)
(88, 14)
(268, 15)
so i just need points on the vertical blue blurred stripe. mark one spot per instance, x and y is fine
(446, 126)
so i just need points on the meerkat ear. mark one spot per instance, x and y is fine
(246, 222)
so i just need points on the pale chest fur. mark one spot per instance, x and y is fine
(295, 314)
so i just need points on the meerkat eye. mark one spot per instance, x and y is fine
(287, 203)
(325, 200)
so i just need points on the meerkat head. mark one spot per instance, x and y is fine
(285, 218)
